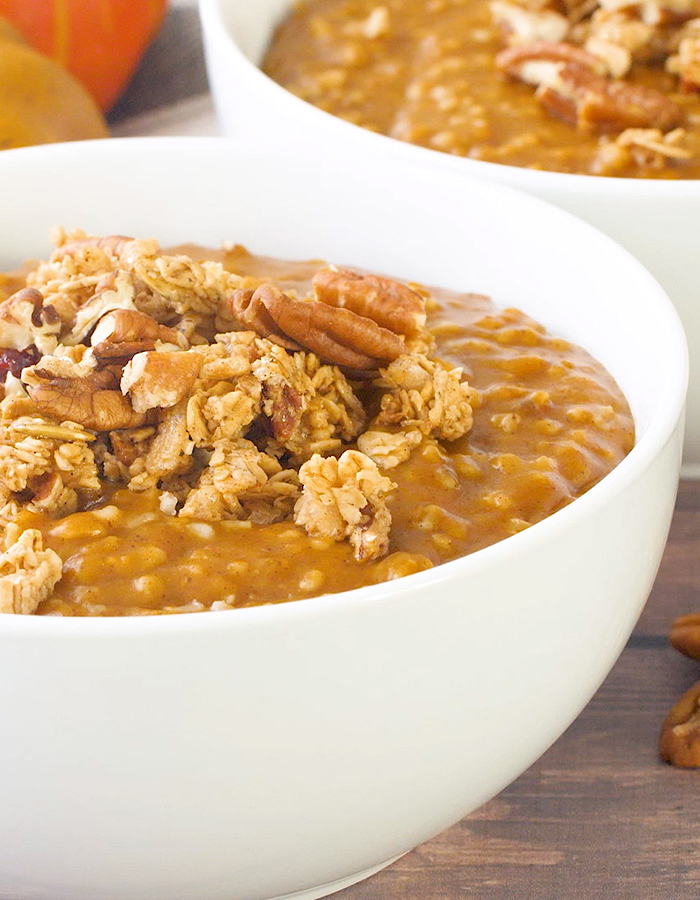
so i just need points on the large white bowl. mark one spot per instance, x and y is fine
(658, 221)
(293, 749)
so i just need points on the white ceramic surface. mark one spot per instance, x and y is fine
(659, 222)
(294, 749)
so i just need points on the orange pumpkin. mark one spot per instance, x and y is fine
(99, 41)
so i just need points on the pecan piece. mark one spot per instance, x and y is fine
(539, 61)
(123, 333)
(685, 635)
(286, 408)
(156, 379)
(389, 303)
(679, 742)
(571, 88)
(93, 401)
(335, 335)
(598, 104)
(113, 291)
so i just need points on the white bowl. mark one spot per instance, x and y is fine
(294, 749)
(658, 221)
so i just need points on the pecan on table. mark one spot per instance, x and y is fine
(679, 742)
(685, 635)
(389, 303)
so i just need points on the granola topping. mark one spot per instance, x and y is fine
(193, 430)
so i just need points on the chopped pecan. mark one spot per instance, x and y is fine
(124, 332)
(51, 496)
(286, 407)
(114, 291)
(679, 742)
(334, 334)
(159, 378)
(685, 635)
(389, 303)
(570, 88)
(93, 401)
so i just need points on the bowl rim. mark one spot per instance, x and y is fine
(213, 23)
(662, 425)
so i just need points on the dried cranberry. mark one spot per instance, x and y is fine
(15, 360)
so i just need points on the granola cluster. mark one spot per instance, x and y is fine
(122, 365)
(579, 57)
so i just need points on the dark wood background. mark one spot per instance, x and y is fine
(599, 815)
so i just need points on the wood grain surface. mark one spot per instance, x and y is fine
(598, 816)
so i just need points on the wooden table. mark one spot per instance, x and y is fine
(598, 816)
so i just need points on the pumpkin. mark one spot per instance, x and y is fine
(99, 41)
(41, 103)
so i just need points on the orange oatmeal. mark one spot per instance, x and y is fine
(597, 87)
(190, 429)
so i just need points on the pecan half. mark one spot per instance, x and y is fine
(679, 742)
(685, 635)
(250, 309)
(389, 303)
(93, 401)
(538, 61)
(572, 89)
(335, 335)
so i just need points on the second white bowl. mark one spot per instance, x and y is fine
(657, 221)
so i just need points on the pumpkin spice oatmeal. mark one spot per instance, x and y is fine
(598, 87)
(191, 429)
